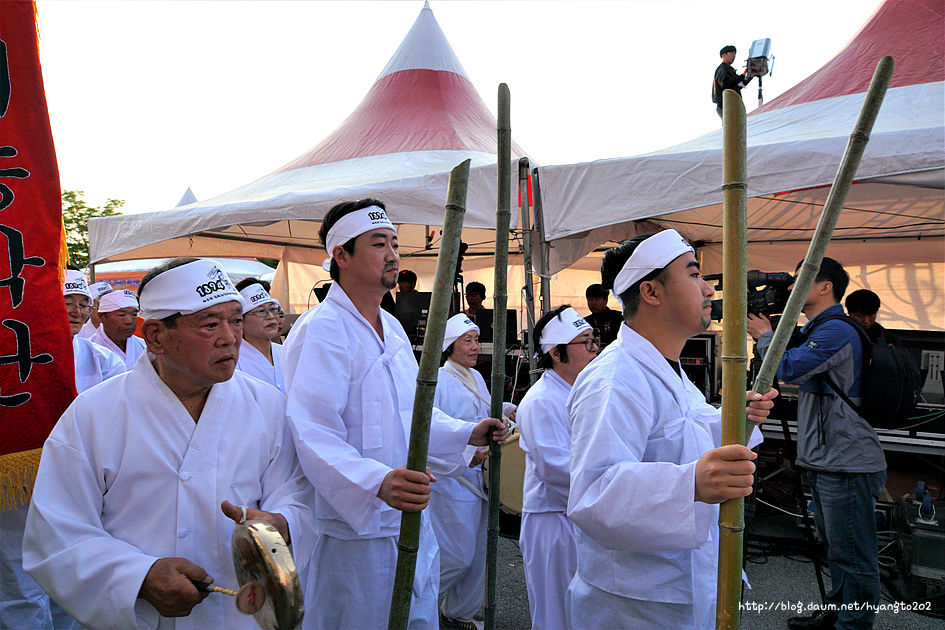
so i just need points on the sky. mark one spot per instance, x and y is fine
(149, 97)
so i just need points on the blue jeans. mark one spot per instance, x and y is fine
(844, 511)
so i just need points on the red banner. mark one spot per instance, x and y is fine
(37, 375)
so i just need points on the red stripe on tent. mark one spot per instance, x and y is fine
(909, 30)
(411, 110)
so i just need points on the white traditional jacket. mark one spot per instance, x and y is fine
(255, 364)
(127, 477)
(134, 347)
(93, 363)
(637, 430)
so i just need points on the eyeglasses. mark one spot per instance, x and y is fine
(264, 313)
(82, 308)
(589, 344)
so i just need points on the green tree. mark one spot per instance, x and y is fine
(75, 217)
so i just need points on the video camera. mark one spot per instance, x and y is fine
(768, 301)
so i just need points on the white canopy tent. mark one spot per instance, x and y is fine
(891, 233)
(421, 118)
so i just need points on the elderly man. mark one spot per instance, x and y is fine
(93, 363)
(567, 345)
(125, 506)
(351, 377)
(646, 466)
(118, 310)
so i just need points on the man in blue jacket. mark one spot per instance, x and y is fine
(839, 450)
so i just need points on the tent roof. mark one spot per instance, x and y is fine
(421, 118)
(795, 145)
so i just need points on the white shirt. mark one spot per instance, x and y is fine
(87, 330)
(638, 429)
(255, 364)
(546, 439)
(134, 347)
(127, 477)
(350, 403)
(93, 363)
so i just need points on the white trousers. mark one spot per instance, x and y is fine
(590, 608)
(459, 522)
(550, 555)
(350, 582)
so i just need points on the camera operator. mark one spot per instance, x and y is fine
(726, 78)
(839, 450)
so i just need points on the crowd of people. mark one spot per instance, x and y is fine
(205, 419)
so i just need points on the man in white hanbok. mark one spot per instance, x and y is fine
(646, 469)
(259, 356)
(351, 376)
(126, 509)
(23, 604)
(567, 345)
(458, 503)
(118, 311)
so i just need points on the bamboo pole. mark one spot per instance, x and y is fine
(409, 542)
(502, 220)
(734, 355)
(727, 613)
(828, 221)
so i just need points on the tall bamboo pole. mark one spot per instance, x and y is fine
(734, 355)
(727, 615)
(502, 220)
(409, 542)
(828, 221)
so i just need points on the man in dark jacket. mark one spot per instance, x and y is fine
(726, 78)
(839, 450)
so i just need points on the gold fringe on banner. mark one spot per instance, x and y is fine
(63, 251)
(17, 475)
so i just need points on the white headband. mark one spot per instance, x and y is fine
(187, 289)
(562, 330)
(353, 225)
(654, 253)
(256, 295)
(98, 288)
(75, 283)
(123, 298)
(457, 326)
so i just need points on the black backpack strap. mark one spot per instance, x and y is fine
(867, 356)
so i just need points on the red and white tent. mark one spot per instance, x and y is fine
(891, 232)
(420, 119)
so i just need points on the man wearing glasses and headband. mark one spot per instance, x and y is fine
(646, 469)
(567, 345)
(350, 377)
(260, 357)
(126, 509)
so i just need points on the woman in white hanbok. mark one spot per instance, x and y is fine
(458, 503)
(259, 356)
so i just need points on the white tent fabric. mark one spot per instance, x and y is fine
(795, 144)
(420, 119)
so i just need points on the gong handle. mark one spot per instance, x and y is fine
(207, 587)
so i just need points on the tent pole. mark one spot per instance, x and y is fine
(408, 544)
(527, 233)
(502, 220)
(543, 254)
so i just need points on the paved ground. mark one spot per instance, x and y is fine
(778, 583)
